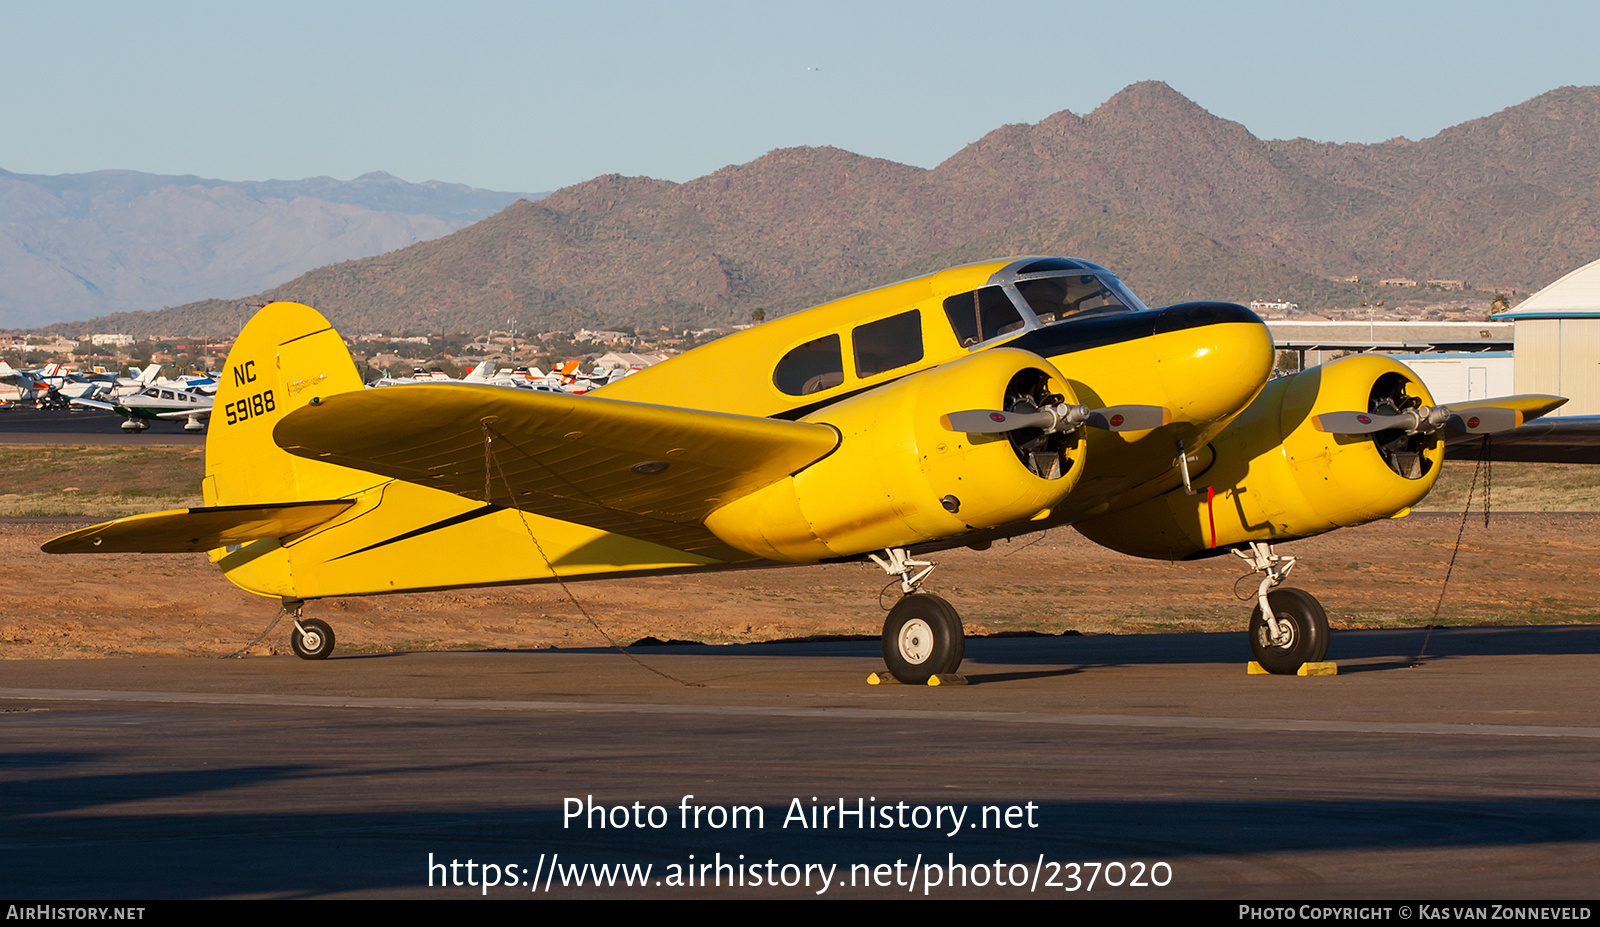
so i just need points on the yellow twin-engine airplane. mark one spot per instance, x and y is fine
(954, 409)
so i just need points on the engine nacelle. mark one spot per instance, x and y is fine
(1277, 477)
(900, 478)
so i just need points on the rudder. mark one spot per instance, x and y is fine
(287, 356)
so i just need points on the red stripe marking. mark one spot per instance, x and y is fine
(1211, 493)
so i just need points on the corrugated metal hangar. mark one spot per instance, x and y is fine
(1558, 341)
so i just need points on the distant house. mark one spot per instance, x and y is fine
(615, 360)
(54, 346)
(603, 337)
(1397, 281)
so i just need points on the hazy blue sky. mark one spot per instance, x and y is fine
(533, 96)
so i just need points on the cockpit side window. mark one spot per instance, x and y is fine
(984, 313)
(1055, 298)
(811, 368)
(887, 343)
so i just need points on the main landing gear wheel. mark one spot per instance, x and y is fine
(311, 639)
(1302, 627)
(922, 637)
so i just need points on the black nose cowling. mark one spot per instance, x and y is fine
(1180, 316)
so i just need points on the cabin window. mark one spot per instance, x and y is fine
(811, 368)
(1055, 298)
(887, 343)
(984, 313)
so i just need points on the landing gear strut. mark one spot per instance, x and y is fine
(1288, 627)
(922, 637)
(311, 638)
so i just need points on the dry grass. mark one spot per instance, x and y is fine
(98, 480)
(1517, 487)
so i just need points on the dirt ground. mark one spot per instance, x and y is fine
(1528, 568)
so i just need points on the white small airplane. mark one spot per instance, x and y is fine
(128, 386)
(484, 374)
(160, 402)
(69, 384)
(520, 378)
(20, 386)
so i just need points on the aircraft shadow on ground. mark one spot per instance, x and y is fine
(1378, 649)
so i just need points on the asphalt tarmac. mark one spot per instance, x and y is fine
(1075, 767)
(85, 426)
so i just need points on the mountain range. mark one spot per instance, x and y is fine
(1181, 203)
(80, 245)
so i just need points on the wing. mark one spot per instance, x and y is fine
(94, 404)
(1570, 439)
(183, 530)
(644, 471)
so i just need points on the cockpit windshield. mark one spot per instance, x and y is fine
(1035, 292)
(1054, 299)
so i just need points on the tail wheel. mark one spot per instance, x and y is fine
(312, 639)
(1303, 632)
(922, 637)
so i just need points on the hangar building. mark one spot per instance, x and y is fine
(1558, 341)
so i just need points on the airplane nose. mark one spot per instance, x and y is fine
(1216, 357)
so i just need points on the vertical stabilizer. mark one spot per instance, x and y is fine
(287, 356)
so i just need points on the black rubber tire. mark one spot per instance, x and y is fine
(1308, 632)
(922, 637)
(316, 643)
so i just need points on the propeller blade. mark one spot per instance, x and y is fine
(1482, 420)
(993, 421)
(1130, 418)
(1062, 418)
(1361, 423)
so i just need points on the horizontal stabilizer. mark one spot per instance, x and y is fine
(202, 529)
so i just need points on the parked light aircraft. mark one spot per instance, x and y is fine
(955, 409)
(20, 386)
(69, 385)
(127, 386)
(163, 401)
